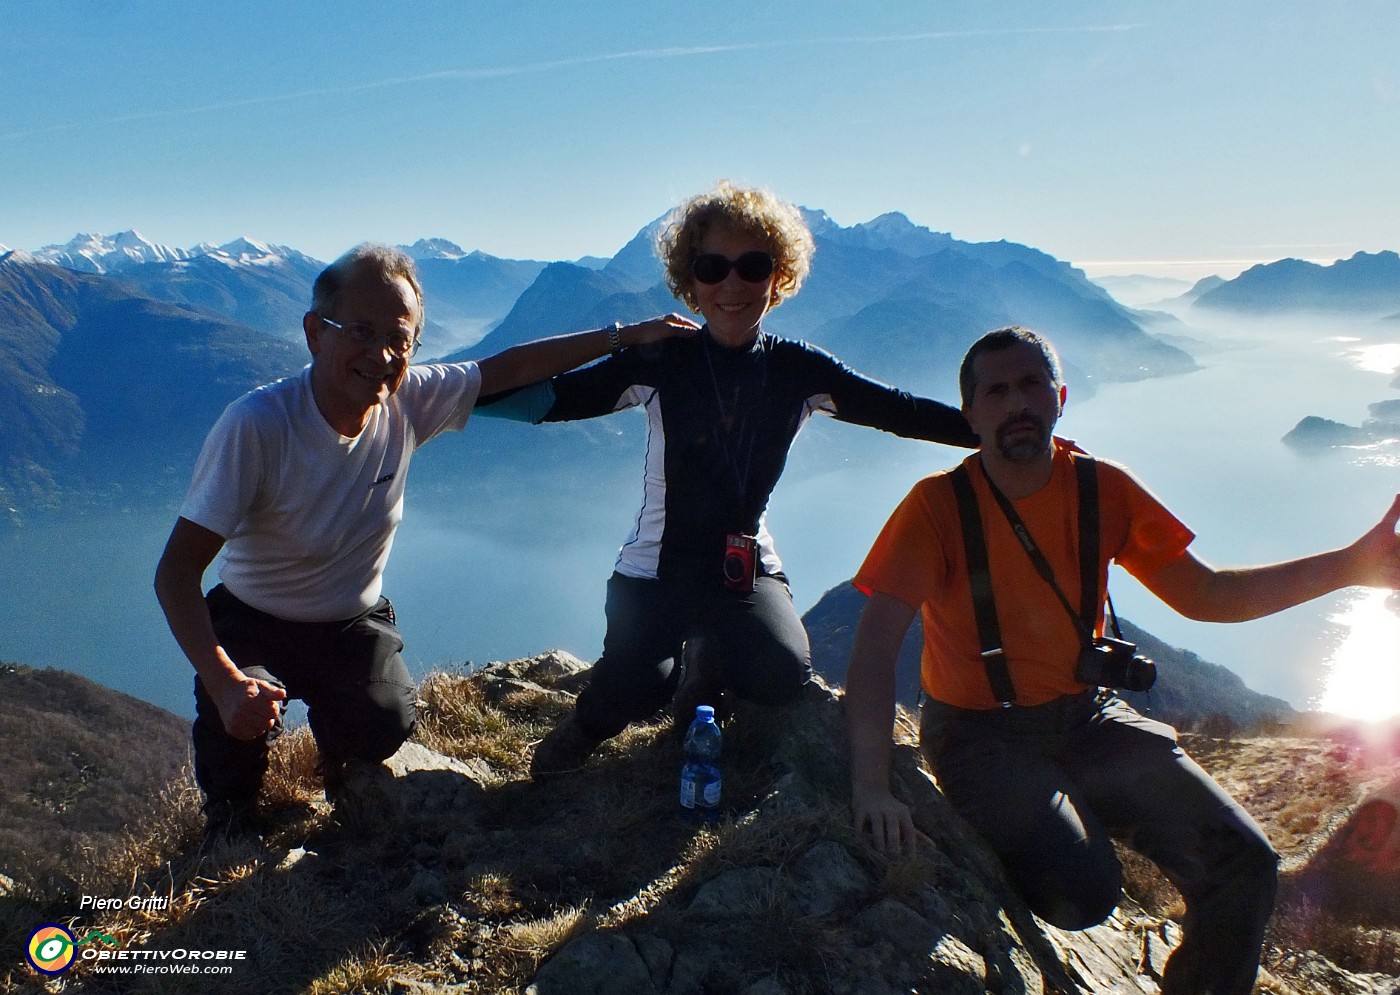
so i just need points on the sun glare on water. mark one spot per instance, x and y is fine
(1378, 358)
(1363, 676)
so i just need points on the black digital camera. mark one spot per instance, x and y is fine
(740, 562)
(1115, 663)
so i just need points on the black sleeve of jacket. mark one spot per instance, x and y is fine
(595, 390)
(863, 401)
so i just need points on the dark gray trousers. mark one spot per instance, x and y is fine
(756, 639)
(360, 697)
(1048, 787)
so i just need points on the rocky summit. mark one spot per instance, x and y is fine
(447, 869)
(788, 898)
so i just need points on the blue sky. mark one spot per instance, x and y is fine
(1172, 137)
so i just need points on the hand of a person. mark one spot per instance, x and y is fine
(655, 329)
(887, 819)
(249, 707)
(1378, 552)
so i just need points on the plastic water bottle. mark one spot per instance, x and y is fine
(700, 777)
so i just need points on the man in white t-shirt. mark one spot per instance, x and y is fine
(300, 484)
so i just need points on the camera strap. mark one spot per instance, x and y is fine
(980, 576)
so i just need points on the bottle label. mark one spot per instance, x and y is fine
(711, 794)
(700, 787)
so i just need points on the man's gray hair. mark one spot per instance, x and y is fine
(1005, 338)
(383, 260)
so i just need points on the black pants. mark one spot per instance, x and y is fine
(1047, 786)
(757, 639)
(361, 700)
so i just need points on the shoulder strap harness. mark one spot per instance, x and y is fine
(980, 576)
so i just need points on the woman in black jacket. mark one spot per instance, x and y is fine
(699, 569)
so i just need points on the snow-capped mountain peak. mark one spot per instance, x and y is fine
(894, 230)
(89, 253)
(244, 246)
(435, 248)
(248, 252)
(18, 256)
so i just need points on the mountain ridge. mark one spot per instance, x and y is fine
(97, 382)
(884, 260)
(1365, 283)
(81, 761)
(896, 300)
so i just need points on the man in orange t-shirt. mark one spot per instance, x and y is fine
(1047, 768)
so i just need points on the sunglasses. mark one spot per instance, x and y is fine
(752, 267)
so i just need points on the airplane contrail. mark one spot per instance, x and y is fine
(498, 72)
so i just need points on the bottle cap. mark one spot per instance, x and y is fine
(705, 713)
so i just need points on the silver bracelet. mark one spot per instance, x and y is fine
(615, 336)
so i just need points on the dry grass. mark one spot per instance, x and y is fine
(455, 720)
(81, 764)
(366, 973)
(1297, 788)
(1300, 790)
(1362, 949)
(1145, 884)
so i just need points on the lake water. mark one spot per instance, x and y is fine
(1209, 445)
(78, 596)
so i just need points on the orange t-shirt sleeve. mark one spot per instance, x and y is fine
(908, 560)
(1153, 536)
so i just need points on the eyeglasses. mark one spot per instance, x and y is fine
(752, 267)
(399, 343)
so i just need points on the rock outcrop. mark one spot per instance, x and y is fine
(943, 920)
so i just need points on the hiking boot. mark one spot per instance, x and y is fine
(231, 820)
(701, 683)
(562, 751)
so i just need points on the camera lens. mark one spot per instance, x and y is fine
(733, 569)
(1141, 674)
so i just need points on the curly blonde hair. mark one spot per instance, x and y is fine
(748, 210)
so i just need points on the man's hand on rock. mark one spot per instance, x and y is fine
(887, 819)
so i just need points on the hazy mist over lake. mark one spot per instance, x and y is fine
(77, 594)
(1209, 445)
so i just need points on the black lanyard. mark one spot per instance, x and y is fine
(731, 442)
